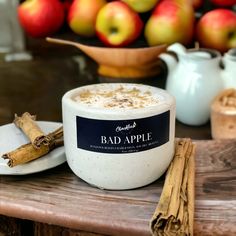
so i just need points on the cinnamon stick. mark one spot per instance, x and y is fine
(24, 154)
(28, 152)
(27, 123)
(175, 211)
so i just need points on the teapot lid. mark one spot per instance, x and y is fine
(203, 53)
(200, 54)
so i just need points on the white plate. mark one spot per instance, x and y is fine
(11, 138)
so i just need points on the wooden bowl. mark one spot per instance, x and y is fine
(121, 62)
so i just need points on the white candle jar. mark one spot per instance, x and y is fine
(118, 135)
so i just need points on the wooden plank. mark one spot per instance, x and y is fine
(58, 197)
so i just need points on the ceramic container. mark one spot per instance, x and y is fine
(120, 138)
(229, 71)
(194, 80)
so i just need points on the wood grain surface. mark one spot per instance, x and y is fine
(60, 198)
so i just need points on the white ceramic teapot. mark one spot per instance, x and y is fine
(194, 79)
(229, 72)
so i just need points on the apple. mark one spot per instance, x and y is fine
(171, 21)
(217, 29)
(140, 5)
(41, 18)
(118, 25)
(82, 16)
(224, 3)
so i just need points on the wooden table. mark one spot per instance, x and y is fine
(56, 202)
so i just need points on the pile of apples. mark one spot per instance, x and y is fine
(119, 23)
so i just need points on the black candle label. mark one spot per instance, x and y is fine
(123, 136)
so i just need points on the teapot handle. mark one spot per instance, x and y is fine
(170, 60)
(177, 48)
(170, 57)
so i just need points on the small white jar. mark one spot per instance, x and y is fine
(118, 135)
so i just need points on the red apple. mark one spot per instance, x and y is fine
(82, 16)
(217, 29)
(117, 24)
(224, 3)
(171, 21)
(41, 18)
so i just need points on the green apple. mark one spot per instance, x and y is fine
(141, 5)
(117, 24)
(82, 16)
(171, 21)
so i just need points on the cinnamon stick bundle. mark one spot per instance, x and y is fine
(28, 152)
(174, 214)
(27, 123)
